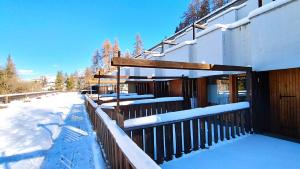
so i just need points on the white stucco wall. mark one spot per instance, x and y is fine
(275, 38)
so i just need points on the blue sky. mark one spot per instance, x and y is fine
(45, 36)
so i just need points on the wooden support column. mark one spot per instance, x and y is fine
(202, 92)
(117, 113)
(233, 89)
(99, 88)
(249, 96)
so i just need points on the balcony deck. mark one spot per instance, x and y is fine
(247, 152)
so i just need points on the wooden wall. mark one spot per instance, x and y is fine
(276, 102)
(285, 102)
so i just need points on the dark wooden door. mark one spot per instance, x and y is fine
(285, 102)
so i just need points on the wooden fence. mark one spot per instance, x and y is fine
(19, 96)
(147, 107)
(120, 151)
(166, 139)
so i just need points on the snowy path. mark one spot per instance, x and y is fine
(52, 132)
(247, 152)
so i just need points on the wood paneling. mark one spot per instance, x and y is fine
(284, 102)
(176, 88)
(233, 89)
(202, 92)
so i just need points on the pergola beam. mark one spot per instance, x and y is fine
(143, 63)
(136, 77)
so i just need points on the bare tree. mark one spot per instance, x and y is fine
(106, 54)
(138, 45)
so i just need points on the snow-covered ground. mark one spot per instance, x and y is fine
(247, 152)
(51, 132)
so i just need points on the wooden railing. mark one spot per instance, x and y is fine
(120, 151)
(145, 107)
(18, 96)
(167, 135)
(124, 98)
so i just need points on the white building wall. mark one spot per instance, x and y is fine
(275, 38)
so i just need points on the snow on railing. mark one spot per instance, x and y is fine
(119, 149)
(124, 97)
(184, 114)
(144, 101)
(135, 155)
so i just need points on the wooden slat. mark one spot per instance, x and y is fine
(159, 145)
(202, 133)
(187, 137)
(178, 139)
(195, 135)
(149, 142)
(169, 142)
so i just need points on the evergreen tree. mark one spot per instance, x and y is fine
(10, 68)
(138, 46)
(59, 81)
(204, 8)
(218, 4)
(95, 61)
(70, 83)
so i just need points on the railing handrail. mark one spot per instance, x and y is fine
(144, 101)
(127, 97)
(184, 115)
(136, 157)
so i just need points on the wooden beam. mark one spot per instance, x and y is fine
(199, 26)
(137, 77)
(109, 77)
(127, 62)
(169, 42)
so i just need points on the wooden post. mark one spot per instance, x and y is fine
(194, 31)
(233, 89)
(99, 88)
(162, 47)
(118, 93)
(249, 97)
(202, 92)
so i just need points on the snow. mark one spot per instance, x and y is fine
(113, 94)
(227, 11)
(127, 97)
(143, 101)
(268, 7)
(182, 44)
(51, 132)
(247, 152)
(137, 156)
(184, 114)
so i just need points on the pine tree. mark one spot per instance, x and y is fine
(218, 4)
(138, 46)
(59, 81)
(95, 61)
(70, 83)
(106, 54)
(10, 68)
(204, 8)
